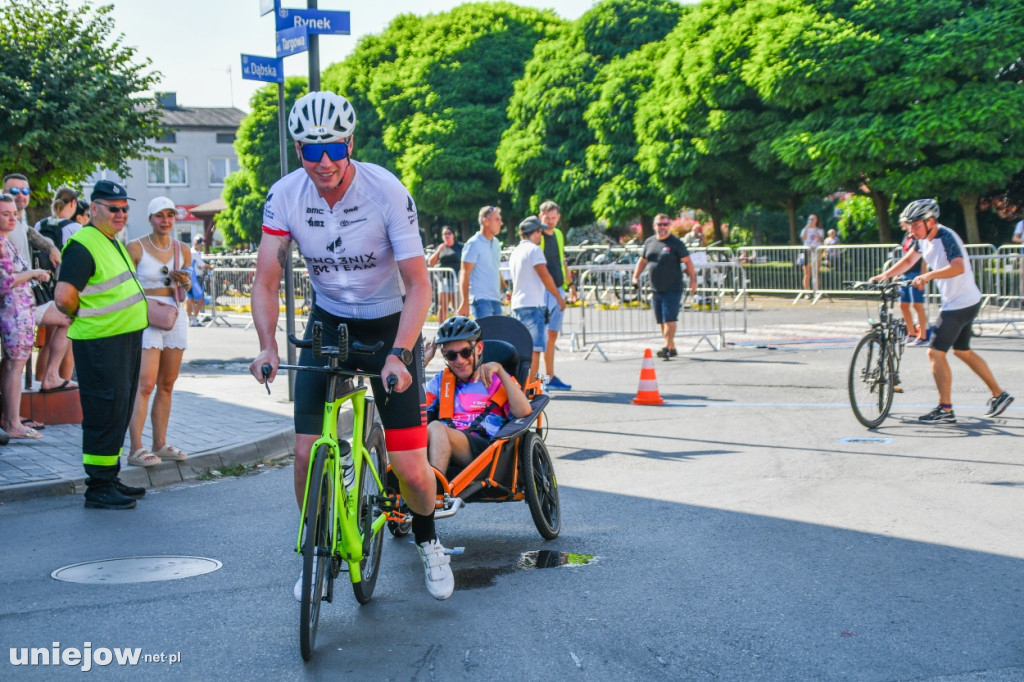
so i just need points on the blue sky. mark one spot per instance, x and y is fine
(194, 43)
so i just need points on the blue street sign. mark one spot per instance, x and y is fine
(292, 41)
(266, 69)
(317, 21)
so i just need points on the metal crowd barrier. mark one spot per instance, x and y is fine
(612, 309)
(1002, 288)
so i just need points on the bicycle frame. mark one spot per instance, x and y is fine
(349, 542)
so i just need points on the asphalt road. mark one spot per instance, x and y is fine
(736, 537)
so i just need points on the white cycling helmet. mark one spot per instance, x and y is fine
(321, 117)
(922, 209)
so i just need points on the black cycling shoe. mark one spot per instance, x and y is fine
(107, 497)
(129, 490)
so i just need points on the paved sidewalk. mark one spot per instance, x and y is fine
(220, 417)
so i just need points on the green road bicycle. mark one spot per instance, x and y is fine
(875, 368)
(345, 504)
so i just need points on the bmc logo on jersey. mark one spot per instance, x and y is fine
(317, 211)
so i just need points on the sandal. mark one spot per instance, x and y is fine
(32, 424)
(143, 458)
(169, 452)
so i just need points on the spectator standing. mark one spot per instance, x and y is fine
(80, 218)
(480, 279)
(662, 256)
(832, 255)
(552, 243)
(62, 209)
(18, 317)
(448, 255)
(162, 265)
(25, 238)
(812, 236)
(531, 285)
(912, 297)
(960, 297)
(195, 301)
(97, 287)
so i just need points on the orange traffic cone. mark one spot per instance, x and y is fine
(647, 393)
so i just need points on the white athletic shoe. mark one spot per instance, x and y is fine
(298, 583)
(436, 569)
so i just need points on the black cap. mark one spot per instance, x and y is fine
(530, 225)
(108, 189)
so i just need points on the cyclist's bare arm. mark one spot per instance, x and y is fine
(898, 268)
(270, 262)
(418, 293)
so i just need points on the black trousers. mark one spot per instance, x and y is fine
(108, 377)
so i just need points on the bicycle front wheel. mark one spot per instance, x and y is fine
(316, 550)
(871, 381)
(367, 511)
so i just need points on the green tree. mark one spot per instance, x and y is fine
(438, 88)
(700, 123)
(70, 93)
(257, 145)
(542, 154)
(916, 99)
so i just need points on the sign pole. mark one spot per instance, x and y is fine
(289, 268)
(314, 55)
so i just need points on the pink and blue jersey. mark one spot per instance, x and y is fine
(471, 399)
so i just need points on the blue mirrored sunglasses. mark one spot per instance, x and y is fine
(336, 151)
(20, 190)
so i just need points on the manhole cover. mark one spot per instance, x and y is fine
(135, 569)
(865, 439)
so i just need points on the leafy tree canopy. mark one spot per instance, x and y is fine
(257, 145)
(543, 152)
(70, 93)
(438, 104)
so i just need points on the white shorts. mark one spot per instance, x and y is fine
(172, 338)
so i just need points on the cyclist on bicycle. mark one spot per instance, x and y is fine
(356, 227)
(480, 398)
(949, 265)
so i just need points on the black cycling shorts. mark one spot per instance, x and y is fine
(403, 414)
(953, 328)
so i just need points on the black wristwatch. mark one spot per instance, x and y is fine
(404, 354)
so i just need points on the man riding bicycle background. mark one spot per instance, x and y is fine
(950, 267)
(357, 228)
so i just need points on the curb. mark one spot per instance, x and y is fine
(273, 446)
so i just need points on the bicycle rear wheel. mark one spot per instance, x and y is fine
(539, 485)
(367, 512)
(871, 381)
(316, 550)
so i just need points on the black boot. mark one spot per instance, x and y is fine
(129, 490)
(104, 495)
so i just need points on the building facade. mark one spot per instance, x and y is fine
(199, 154)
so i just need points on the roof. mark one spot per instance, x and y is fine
(182, 118)
(211, 207)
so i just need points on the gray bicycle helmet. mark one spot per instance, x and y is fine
(922, 209)
(321, 117)
(458, 328)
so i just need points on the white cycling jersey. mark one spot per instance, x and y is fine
(954, 292)
(351, 251)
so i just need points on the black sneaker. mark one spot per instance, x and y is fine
(107, 497)
(129, 490)
(663, 353)
(672, 352)
(998, 405)
(938, 416)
